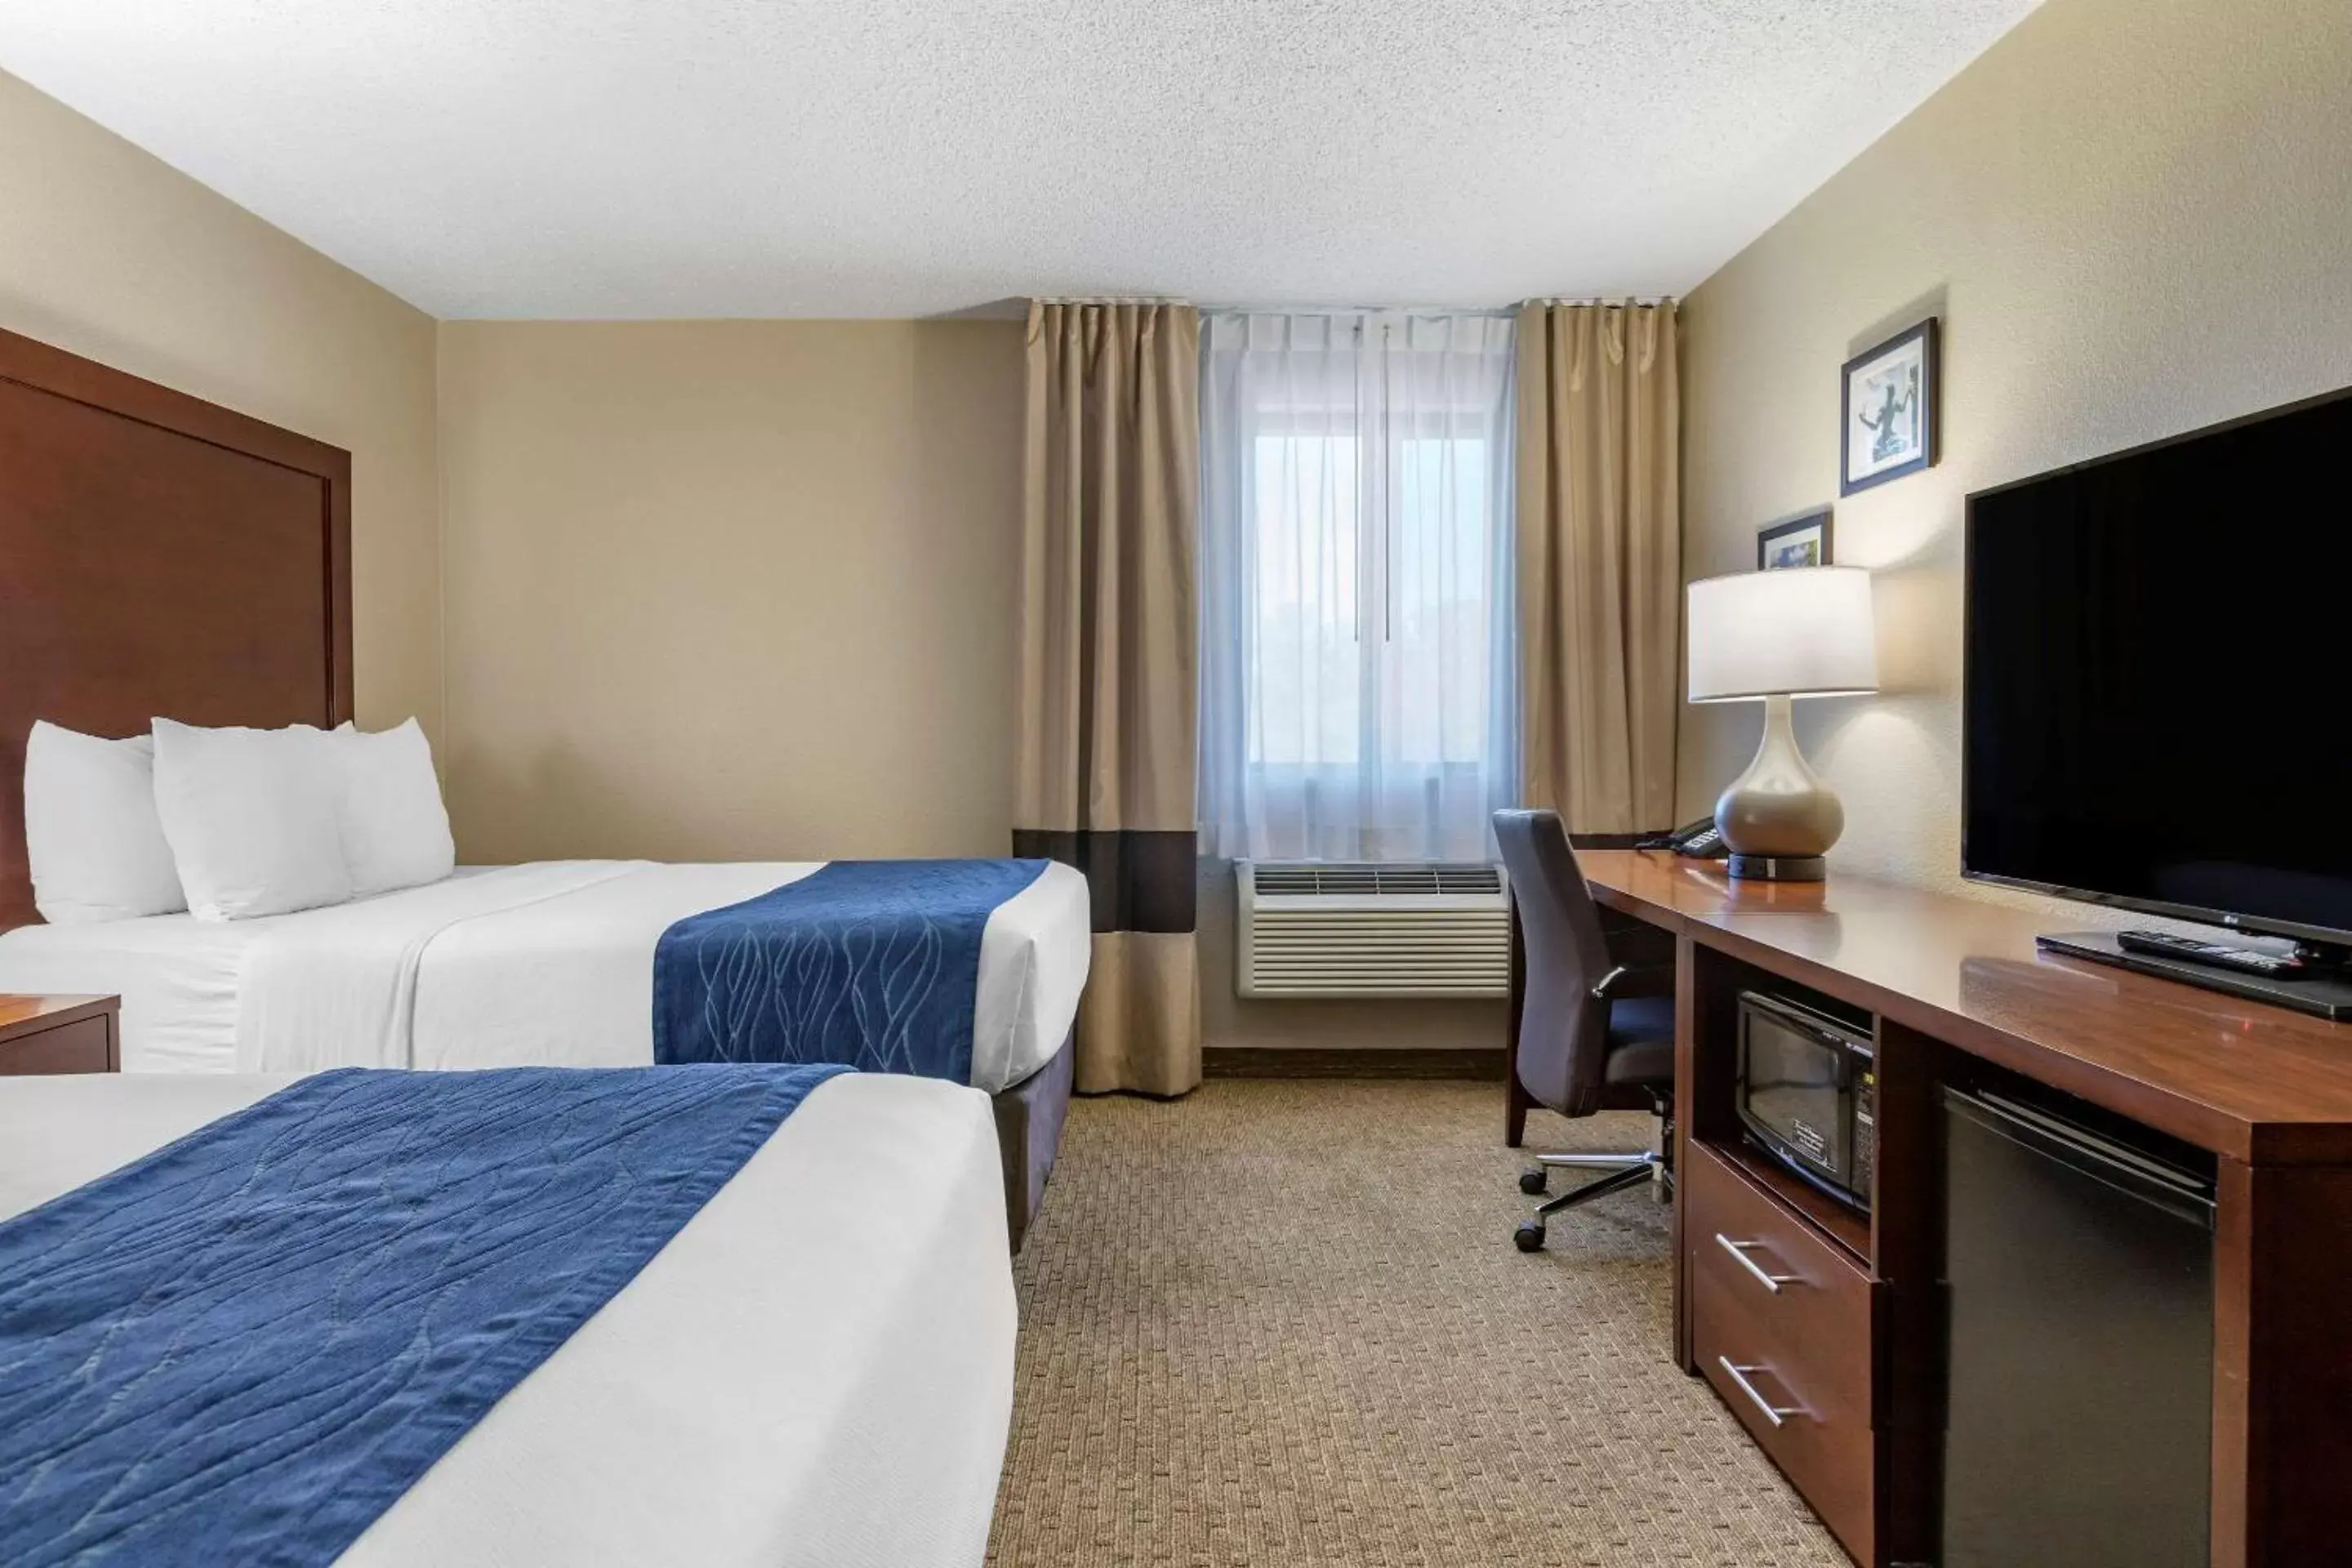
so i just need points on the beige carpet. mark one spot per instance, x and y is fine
(1282, 1323)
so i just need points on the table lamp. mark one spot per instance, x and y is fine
(1802, 631)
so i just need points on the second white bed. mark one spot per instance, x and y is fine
(550, 962)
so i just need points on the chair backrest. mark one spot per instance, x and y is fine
(1562, 1049)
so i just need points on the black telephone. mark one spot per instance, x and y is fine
(1701, 840)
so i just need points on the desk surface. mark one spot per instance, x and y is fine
(2256, 1083)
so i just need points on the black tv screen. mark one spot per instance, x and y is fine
(2156, 645)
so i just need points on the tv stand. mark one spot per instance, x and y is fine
(2324, 990)
(1839, 1367)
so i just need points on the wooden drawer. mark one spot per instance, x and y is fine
(1788, 1343)
(82, 1045)
(1800, 1296)
(1823, 1447)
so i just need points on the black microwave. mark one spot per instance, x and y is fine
(1805, 1091)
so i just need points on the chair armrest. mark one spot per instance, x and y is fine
(1627, 981)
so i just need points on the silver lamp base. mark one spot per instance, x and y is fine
(1781, 868)
(1779, 817)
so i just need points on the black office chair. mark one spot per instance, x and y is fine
(1596, 1023)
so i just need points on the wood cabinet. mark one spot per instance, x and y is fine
(1820, 1328)
(58, 1034)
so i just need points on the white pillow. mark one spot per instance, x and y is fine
(95, 846)
(252, 817)
(395, 830)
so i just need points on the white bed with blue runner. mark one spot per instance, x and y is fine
(721, 1315)
(578, 963)
(548, 963)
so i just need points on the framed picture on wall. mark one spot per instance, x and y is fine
(1888, 406)
(1799, 541)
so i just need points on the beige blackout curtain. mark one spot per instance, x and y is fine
(1109, 693)
(1600, 563)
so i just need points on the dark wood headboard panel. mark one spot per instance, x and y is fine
(159, 555)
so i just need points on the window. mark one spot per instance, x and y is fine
(1357, 699)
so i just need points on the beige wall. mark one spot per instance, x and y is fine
(2134, 219)
(109, 254)
(730, 589)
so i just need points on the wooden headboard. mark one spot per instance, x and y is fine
(159, 555)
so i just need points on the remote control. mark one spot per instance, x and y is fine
(2164, 945)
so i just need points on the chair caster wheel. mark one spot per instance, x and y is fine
(1529, 1237)
(1534, 1180)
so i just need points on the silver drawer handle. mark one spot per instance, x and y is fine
(1772, 1413)
(1771, 1281)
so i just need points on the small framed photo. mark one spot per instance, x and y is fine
(1888, 409)
(1799, 541)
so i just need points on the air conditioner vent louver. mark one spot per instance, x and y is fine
(1338, 878)
(1342, 929)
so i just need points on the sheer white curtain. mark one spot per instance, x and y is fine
(1357, 687)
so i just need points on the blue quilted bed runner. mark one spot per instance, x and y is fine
(871, 963)
(248, 1345)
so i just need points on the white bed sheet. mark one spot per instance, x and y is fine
(546, 963)
(817, 1370)
(179, 978)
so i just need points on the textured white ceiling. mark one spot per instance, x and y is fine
(653, 158)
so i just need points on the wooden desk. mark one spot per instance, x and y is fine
(1948, 982)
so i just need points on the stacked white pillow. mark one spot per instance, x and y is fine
(95, 844)
(246, 822)
(394, 828)
(253, 818)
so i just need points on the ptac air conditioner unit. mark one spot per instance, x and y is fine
(1324, 928)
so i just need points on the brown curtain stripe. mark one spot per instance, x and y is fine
(1600, 563)
(1138, 880)
(1108, 697)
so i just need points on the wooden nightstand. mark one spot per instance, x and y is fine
(59, 1034)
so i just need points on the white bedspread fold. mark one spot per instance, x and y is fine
(338, 987)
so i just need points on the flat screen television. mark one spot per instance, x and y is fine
(2155, 693)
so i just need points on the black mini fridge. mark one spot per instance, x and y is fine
(2079, 1272)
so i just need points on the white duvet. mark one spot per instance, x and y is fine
(816, 1371)
(550, 962)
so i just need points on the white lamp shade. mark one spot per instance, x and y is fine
(1802, 631)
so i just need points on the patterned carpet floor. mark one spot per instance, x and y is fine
(1282, 1323)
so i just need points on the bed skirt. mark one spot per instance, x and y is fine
(1029, 1117)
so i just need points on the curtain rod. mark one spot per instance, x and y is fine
(1361, 310)
(1421, 310)
(1224, 307)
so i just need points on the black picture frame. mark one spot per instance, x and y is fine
(1927, 333)
(1795, 528)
